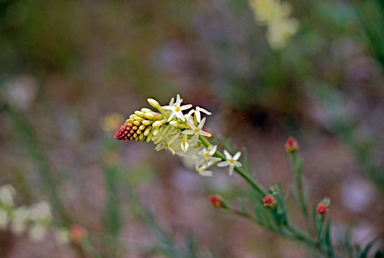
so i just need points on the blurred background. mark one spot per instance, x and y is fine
(72, 71)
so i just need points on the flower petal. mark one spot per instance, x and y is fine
(201, 123)
(223, 163)
(205, 173)
(237, 164)
(212, 150)
(227, 155)
(191, 132)
(203, 110)
(169, 107)
(198, 116)
(237, 155)
(184, 107)
(230, 170)
(203, 133)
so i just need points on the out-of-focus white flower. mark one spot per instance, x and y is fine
(37, 232)
(231, 161)
(280, 31)
(177, 109)
(63, 236)
(275, 15)
(20, 219)
(3, 219)
(40, 211)
(7, 192)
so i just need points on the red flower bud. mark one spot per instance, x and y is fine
(269, 200)
(291, 145)
(78, 233)
(322, 208)
(216, 201)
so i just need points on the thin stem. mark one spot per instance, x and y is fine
(240, 171)
(302, 202)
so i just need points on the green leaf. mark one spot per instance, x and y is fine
(192, 250)
(379, 254)
(364, 253)
(306, 190)
(317, 221)
(258, 215)
(243, 208)
(327, 238)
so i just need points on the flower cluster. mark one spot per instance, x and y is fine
(38, 216)
(177, 132)
(275, 15)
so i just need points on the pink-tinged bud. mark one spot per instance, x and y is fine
(269, 200)
(78, 233)
(292, 145)
(122, 133)
(323, 206)
(216, 201)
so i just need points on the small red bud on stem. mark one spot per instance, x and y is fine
(292, 145)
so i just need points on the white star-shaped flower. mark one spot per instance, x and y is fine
(196, 131)
(177, 109)
(205, 156)
(198, 114)
(230, 161)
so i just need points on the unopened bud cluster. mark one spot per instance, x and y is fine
(139, 126)
(37, 218)
(177, 132)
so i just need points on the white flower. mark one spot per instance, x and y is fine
(196, 131)
(230, 161)
(198, 114)
(40, 211)
(177, 109)
(37, 232)
(63, 236)
(20, 217)
(7, 192)
(205, 156)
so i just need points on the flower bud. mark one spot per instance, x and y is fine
(146, 110)
(269, 200)
(153, 103)
(139, 113)
(156, 105)
(149, 115)
(323, 206)
(146, 122)
(78, 233)
(216, 201)
(291, 145)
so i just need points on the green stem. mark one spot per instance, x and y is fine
(295, 233)
(302, 202)
(240, 171)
